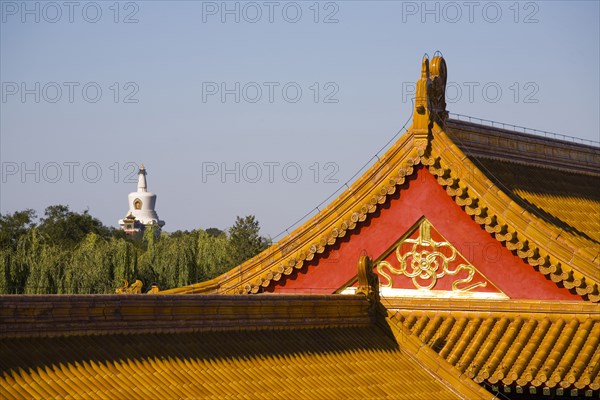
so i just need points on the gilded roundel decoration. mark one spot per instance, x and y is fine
(425, 259)
(137, 204)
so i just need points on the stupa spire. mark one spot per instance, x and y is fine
(142, 185)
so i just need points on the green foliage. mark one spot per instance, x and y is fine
(45, 264)
(124, 261)
(214, 232)
(213, 255)
(90, 269)
(176, 261)
(70, 228)
(13, 226)
(245, 239)
(73, 253)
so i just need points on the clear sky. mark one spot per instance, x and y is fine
(265, 107)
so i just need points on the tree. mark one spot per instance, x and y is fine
(13, 226)
(124, 261)
(245, 240)
(176, 261)
(147, 258)
(70, 253)
(213, 255)
(90, 269)
(70, 228)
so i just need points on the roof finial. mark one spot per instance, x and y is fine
(421, 115)
(430, 99)
(436, 89)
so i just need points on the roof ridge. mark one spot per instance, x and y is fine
(573, 140)
(528, 163)
(77, 315)
(484, 141)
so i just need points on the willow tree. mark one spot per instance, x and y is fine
(5, 254)
(148, 256)
(90, 269)
(214, 255)
(33, 266)
(176, 261)
(24, 259)
(124, 261)
(46, 262)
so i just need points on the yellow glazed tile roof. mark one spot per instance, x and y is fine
(557, 180)
(305, 363)
(542, 346)
(311, 347)
(571, 202)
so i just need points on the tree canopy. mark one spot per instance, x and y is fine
(70, 252)
(13, 226)
(245, 239)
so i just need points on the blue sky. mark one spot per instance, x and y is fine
(262, 108)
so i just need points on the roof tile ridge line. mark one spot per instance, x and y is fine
(576, 142)
(496, 314)
(410, 345)
(527, 163)
(527, 249)
(403, 153)
(246, 308)
(519, 136)
(561, 161)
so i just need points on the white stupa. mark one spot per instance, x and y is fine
(141, 208)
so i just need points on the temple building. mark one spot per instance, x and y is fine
(464, 264)
(141, 208)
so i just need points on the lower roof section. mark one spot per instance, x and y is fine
(203, 346)
(323, 363)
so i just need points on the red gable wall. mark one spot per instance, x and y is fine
(421, 195)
